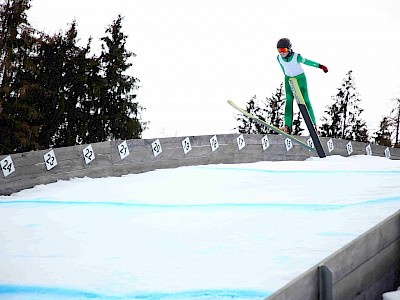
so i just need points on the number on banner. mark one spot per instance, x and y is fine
(310, 143)
(7, 166)
(214, 143)
(123, 150)
(289, 144)
(330, 145)
(387, 153)
(240, 142)
(156, 146)
(368, 149)
(265, 142)
(349, 148)
(88, 154)
(187, 147)
(50, 160)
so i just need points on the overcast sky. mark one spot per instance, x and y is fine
(193, 55)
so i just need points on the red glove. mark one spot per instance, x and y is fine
(325, 69)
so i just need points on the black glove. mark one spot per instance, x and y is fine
(325, 69)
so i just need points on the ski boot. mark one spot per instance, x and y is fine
(316, 129)
(285, 129)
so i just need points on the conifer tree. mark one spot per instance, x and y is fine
(396, 122)
(274, 108)
(383, 135)
(249, 125)
(297, 130)
(74, 96)
(331, 121)
(19, 117)
(343, 118)
(49, 61)
(116, 114)
(388, 132)
(53, 93)
(270, 111)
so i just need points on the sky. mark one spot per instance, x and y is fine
(194, 55)
(212, 232)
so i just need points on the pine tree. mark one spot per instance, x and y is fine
(360, 132)
(64, 90)
(274, 108)
(388, 133)
(117, 115)
(52, 93)
(396, 122)
(19, 117)
(270, 111)
(343, 118)
(331, 122)
(48, 63)
(74, 96)
(248, 125)
(383, 135)
(297, 130)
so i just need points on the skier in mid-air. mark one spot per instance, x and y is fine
(290, 64)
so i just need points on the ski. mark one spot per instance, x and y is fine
(276, 129)
(306, 116)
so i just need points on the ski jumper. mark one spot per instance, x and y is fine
(291, 68)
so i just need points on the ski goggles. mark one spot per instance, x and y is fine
(283, 50)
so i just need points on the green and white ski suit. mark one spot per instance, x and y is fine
(291, 68)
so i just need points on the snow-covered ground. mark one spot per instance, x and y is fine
(202, 232)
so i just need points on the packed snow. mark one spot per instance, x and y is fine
(202, 232)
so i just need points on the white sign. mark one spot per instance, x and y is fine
(387, 153)
(156, 146)
(265, 142)
(214, 143)
(7, 166)
(289, 144)
(240, 142)
(50, 160)
(349, 148)
(310, 142)
(186, 145)
(123, 150)
(330, 145)
(88, 154)
(368, 150)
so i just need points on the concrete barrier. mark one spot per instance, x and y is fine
(364, 269)
(25, 170)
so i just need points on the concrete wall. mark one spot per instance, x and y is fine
(364, 269)
(31, 169)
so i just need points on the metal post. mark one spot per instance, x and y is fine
(325, 283)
